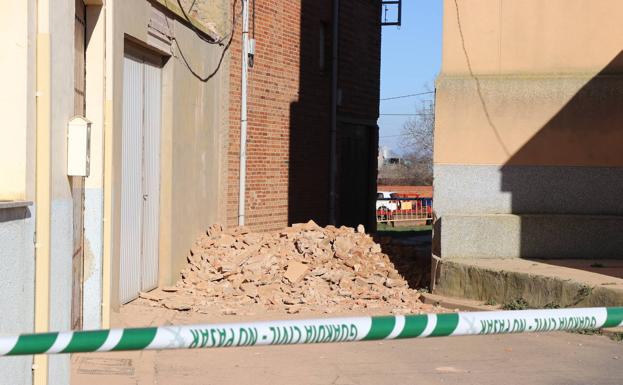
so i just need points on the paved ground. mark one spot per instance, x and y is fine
(559, 358)
(608, 267)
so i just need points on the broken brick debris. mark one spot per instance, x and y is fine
(300, 268)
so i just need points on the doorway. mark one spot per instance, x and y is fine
(140, 173)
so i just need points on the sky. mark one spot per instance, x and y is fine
(410, 63)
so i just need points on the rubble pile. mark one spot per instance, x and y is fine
(303, 267)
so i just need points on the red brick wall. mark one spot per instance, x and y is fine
(289, 106)
(360, 58)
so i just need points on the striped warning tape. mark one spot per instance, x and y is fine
(311, 331)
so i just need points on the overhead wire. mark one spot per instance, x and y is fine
(201, 34)
(192, 5)
(416, 114)
(253, 21)
(408, 96)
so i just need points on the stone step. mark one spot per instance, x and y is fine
(540, 282)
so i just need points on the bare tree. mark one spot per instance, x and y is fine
(417, 132)
(415, 165)
(417, 143)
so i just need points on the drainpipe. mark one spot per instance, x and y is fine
(333, 145)
(243, 112)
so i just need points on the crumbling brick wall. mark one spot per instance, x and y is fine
(214, 15)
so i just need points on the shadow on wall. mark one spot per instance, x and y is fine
(14, 214)
(308, 184)
(573, 166)
(310, 117)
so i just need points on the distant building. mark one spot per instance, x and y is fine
(387, 157)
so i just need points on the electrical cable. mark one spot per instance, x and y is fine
(418, 114)
(195, 73)
(408, 96)
(253, 21)
(200, 34)
(192, 5)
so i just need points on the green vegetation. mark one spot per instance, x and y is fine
(598, 265)
(522, 304)
(491, 302)
(614, 336)
(588, 332)
(618, 337)
(551, 305)
(583, 292)
(516, 304)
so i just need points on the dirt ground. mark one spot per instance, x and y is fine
(557, 358)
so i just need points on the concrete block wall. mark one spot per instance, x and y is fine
(530, 236)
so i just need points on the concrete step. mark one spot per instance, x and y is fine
(456, 304)
(539, 282)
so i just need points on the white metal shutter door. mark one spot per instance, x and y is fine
(151, 177)
(131, 180)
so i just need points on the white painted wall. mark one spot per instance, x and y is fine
(94, 191)
(62, 14)
(17, 274)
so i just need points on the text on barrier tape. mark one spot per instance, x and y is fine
(311, 331)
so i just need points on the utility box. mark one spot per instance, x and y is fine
(78, 146)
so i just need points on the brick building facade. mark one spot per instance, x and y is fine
(289, 120)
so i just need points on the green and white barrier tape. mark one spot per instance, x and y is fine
(313, 331)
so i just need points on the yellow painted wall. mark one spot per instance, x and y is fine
(17, 101)
(531, 36)
(530, 82)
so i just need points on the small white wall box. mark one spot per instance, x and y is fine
(78, 146)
